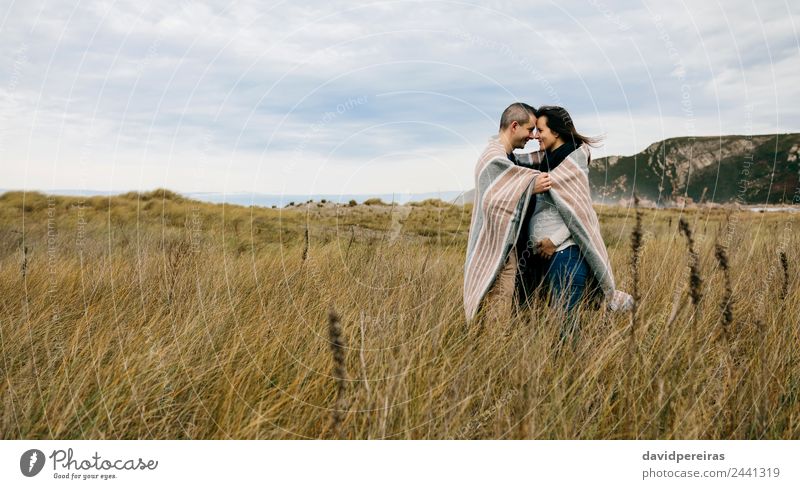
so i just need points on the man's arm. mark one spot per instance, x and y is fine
(536, 159)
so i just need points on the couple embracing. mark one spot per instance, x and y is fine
(533, 228)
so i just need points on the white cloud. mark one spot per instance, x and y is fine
(124, 93)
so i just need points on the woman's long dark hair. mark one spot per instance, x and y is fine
(560, 122)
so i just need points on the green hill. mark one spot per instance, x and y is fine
(724, 169)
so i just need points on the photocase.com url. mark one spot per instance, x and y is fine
(729, 473)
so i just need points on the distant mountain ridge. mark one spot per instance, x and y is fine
(723, 169)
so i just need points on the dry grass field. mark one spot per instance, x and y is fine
(149, 316)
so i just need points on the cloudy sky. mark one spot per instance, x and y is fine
(366, 97)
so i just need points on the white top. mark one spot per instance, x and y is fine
(547, 223)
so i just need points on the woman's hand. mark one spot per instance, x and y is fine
(542, 183)
(546, 248)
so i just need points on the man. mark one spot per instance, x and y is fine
(502, 193)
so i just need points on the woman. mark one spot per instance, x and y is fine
(563, 229)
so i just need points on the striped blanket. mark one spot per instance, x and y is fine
(503, 191)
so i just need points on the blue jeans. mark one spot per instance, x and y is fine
(566, 277)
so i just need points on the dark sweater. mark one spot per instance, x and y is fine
(554, 158)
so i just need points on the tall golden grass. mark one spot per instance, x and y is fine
(153, 316)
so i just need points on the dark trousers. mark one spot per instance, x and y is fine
(563, 278)
(566, 277)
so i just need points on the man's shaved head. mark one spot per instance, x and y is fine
(519, 112)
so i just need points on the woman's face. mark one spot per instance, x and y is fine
(548, 140)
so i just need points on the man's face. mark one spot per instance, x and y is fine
(546, 137)
(523, 133)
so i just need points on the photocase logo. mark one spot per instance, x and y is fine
(31, 462)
